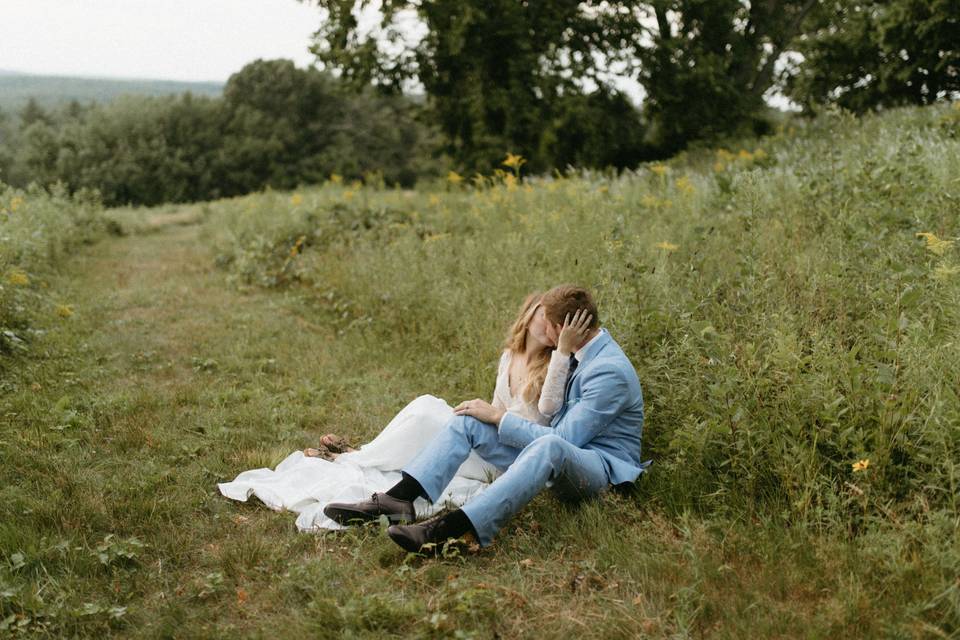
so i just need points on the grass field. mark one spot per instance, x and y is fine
(795, 337)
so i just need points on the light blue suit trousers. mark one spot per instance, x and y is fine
(571, 472)
(591, 443)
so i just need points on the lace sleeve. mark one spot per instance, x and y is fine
(499, 390)
(551, 395)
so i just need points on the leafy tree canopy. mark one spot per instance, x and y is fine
(863, 55)
(497, 72)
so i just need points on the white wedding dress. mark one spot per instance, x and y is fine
(305, 485)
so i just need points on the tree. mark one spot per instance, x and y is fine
(32, 112)
(711, 63)
(6, 145)
(496, 71)
(864, 55)
(288, 125)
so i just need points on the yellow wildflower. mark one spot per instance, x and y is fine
(667, 246)
(296, 199)
(15, 203)
(64, 310)
(297, 246)
(719, 166)
(434, 200)
(336, 178)
(745, 155)
(514, 161)
(684, 185)
(18, 278)
(724, 155)
(348, 194)
(935, 244)
(454, 178)
(659, 169)
(861, 465)
(510, 180)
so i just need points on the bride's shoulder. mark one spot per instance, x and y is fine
(504, 358)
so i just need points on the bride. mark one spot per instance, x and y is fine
(529, 383)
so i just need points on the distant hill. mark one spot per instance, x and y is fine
(16, 88)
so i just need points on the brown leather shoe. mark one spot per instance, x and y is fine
(379, 504)
(421, 537)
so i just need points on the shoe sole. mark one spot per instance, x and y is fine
(347, 517)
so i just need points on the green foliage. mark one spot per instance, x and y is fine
(502, 75)
(276, 126)
(38, 230)
(499, 76)
(867, 55)
(710, 64)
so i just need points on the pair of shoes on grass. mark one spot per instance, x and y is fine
(423, 537)
(416, 537)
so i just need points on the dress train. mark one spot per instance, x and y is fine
(306, 484)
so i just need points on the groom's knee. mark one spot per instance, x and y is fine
(549, 446)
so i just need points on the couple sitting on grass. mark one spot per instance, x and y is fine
(567, 414)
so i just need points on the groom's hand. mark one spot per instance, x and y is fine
(481, 410)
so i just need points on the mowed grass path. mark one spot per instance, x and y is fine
(166, 381)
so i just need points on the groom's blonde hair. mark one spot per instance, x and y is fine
(567, 299)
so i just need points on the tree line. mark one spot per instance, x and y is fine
(276, 126)
(532, 78)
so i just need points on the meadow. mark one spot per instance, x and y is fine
(791, 305)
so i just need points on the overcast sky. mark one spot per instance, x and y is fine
(161, 39)
(153, 39)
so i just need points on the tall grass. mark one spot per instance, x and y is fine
(786, 322)
(38, 228)
(785, 315)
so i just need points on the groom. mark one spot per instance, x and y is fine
(592, 442)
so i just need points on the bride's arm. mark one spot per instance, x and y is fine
(499, 390)
(551, 394)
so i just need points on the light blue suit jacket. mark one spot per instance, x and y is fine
(603, 411)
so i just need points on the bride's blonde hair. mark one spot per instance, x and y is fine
(516, 342)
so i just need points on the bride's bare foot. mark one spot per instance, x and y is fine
(322, 452)
(335, 443)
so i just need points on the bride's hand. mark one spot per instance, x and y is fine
(574, 331)
(481, 410)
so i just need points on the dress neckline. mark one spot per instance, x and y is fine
(513, 396)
